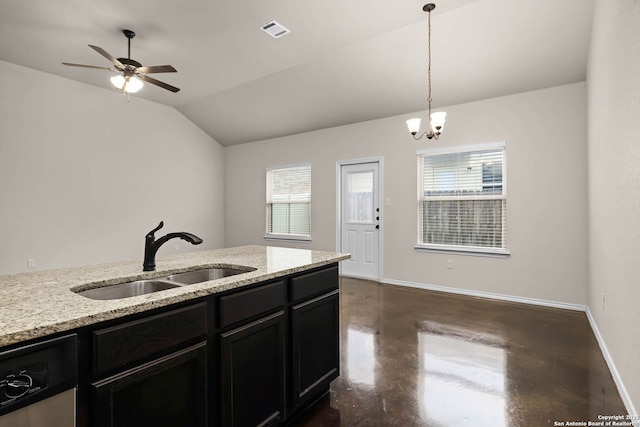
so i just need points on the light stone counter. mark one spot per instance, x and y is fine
(37, 304)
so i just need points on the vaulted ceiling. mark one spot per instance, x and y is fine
(344, 61)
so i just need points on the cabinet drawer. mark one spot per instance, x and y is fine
(123, 345)
(247, 304)
(312, 284)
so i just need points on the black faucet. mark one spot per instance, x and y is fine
(151, 245)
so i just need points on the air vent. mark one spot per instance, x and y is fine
(274, 29)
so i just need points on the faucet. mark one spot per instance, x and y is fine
(151, 245)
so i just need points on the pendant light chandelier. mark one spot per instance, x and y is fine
(437, 119)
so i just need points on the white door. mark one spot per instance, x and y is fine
(360, 219)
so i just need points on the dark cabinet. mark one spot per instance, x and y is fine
(253, 356)
(319, 282)
(168, 391)
(252, 372)
(120, 346)
(315, 341)
(151, 371)
(243, 306)
(273, 367)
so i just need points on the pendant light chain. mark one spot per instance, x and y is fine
(437, 119)
(429, 63)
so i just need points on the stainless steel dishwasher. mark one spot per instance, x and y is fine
(38, 384)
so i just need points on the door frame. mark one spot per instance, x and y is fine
(339, 164)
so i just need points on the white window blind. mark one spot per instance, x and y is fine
(289, 202)
(462, 200)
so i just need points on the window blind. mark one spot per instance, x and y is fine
(462, 200)
(289, 201)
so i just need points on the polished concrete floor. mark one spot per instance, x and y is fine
(419, 358)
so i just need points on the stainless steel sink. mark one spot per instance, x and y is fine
(198, 276)
(141, 287)
(130, 289)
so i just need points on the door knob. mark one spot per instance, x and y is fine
(377, 226)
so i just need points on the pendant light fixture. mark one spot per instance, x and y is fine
(437, 119)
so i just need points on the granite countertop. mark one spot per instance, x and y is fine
(41, 303)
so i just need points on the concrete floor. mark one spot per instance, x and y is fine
(420, 358)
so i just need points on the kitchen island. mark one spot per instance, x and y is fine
(265, 339)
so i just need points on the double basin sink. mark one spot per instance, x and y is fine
(141, 287)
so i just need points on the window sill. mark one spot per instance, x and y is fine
(288, 238)
(461, 250)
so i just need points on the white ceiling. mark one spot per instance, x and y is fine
(345, 61)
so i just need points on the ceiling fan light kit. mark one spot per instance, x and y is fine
(436, 119)
(130, 84)
(132, 74)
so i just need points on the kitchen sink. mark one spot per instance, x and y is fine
(142, 287)
(129, 289)
(198, 276)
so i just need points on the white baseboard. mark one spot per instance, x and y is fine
(501, 297)
(355, 276)
(545, 303)
(612, 368)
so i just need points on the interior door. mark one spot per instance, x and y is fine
(360, 220)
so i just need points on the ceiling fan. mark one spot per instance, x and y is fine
(132, 73)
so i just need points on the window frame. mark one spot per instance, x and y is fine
(500, 252)
(269, 202)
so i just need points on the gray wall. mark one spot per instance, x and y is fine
(614, 184)
(84, 174)
(545, 134)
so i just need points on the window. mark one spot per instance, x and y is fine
(462, 199)
(289, 203)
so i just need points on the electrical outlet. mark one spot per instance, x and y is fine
(450, 264)
(603, 300)
(31, 263)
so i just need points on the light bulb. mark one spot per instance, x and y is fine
(134, 84)
(130, 84)
(437, 121)
(413, 125)
(118, 81)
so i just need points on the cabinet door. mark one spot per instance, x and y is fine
(253, 373)
(316, 346)
(169, 391)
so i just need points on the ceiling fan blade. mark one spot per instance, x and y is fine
(89, 66)
(156, 69)
(107, 55)
(159, 83)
